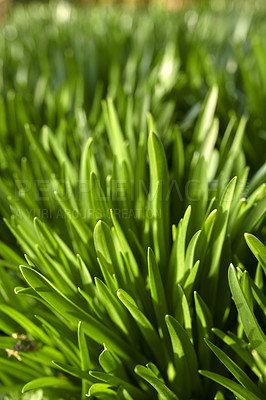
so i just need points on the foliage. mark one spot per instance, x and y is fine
(132, 175)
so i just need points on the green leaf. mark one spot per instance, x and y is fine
(219, 396)
(191, 279)
(239, 346)
(69, 369)
(87, 164)
(258, 294)
(86, 276)
(157, 292)
(122, 394)
(40, 153)
(260, 363)
(49, 381)
(62, 279)
(99, 206)
(164, 392)
(105, 248)
(178, 154)
(235, 370)
(140, 173)
(190, 251)
(103, 390)
(218, 237)
(182, 313)
(115, 135)
(204, 325)
(85, 359)
(62, 157)
(158, 198)
(95, 329)
(108, 361)
(125, 247)
(46, 238)
(197, 189)
(145, 326)
(238, 390)
(206, 116)
(109, 278)
(185, 358)
(257, 248)
(180, 265)
(81, 228)
(116, 381)
(114, 308)
(10, 255)
(251, 327)
(246, 288)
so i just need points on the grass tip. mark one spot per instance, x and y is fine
(136, 368)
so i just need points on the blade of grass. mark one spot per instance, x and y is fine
(250, 323)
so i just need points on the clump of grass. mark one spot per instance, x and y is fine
(130, 189)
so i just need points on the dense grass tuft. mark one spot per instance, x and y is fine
(133, 181)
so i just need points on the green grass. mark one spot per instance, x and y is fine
(133, 182)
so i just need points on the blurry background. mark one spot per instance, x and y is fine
(170, 4)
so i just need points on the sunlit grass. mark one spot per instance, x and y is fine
(132, 176)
